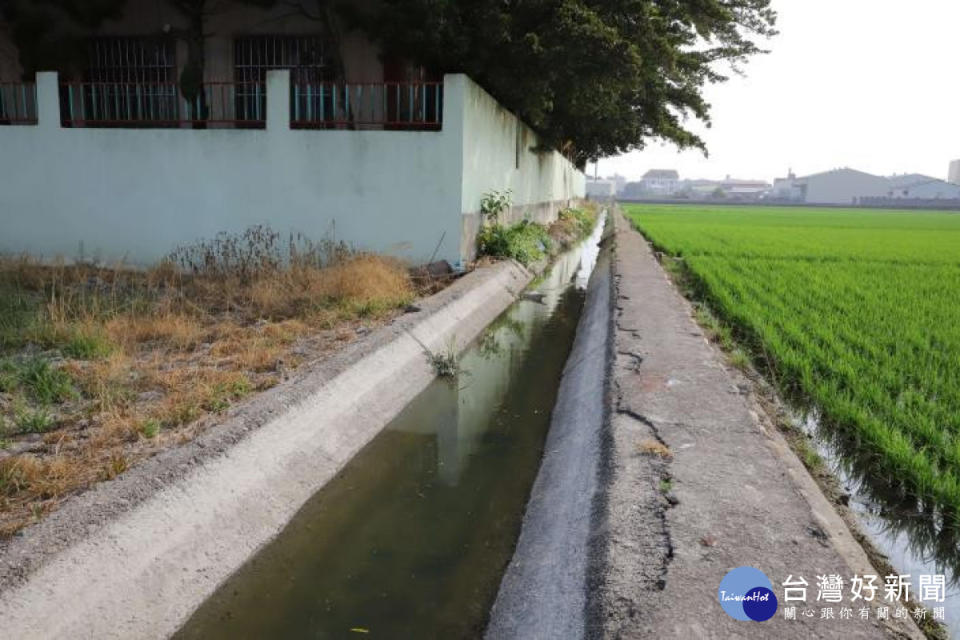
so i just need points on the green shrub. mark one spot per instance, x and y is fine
(525, 241)
(494, 203)
(9, 378)
(32, 420)
(87, 346)
(45, 383)
(582, 218)
(150, 428)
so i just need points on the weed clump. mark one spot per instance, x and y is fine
(526, 242)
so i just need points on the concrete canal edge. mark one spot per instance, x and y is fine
(698, 481)
(134, 557)
(661, 472)
(543, 592)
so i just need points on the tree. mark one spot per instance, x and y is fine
(51, 34)
(593, 77)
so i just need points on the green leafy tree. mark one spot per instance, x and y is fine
(51, 34)
(594, 77)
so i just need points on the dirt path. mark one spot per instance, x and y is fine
(725, 492)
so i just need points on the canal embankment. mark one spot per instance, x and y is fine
(699, 481)
(545, 589)
(133, 557)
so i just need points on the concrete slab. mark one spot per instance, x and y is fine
(732, 494)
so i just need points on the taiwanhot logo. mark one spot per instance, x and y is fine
(746, 593)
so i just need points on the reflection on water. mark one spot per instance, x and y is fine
(918, 538)
(411, 539)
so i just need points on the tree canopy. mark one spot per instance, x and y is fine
(51, 34)
(593, 77)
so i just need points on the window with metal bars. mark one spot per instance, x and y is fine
(131, 60)
(131, 78)
(253, 56)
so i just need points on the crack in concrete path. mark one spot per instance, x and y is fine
(727, 495)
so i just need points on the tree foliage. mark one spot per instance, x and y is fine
(594, 77)
(51, 34)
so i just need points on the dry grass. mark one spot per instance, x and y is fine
(652, 447)
(110, 364)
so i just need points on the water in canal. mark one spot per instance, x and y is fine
(916, 537)
(410, 540)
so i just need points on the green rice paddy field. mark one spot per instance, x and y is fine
(856, 312)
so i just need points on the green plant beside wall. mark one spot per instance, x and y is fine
(493, 203)
(525, 242)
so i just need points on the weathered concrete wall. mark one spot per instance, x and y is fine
(139, 193)
(498, 155)
(136, 194)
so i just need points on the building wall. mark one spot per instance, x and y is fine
(498, 155)
(139, 193)
(843, 187)
(226, 21)
(601, 189)
(659, 185)
(954, 174)
(932, 190)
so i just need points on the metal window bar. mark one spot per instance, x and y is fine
(18, 103)
(143, 105)
(253, 56)
(148, 60)
(390, 105)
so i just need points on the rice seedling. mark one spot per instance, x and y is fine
(854, 312)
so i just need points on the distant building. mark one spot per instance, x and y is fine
(954, 175)
(633, 191)
(787, 188)
(839, 186)
(662, 182)
(601, 189)
(729, 188)
(619, 181)
(744, 189)
(920, 187)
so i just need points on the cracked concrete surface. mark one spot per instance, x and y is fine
(729, 494)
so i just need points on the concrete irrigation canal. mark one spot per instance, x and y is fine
(411, 538)
(595, 470)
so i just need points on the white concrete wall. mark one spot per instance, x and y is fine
(139, 193)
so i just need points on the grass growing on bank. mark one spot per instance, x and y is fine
(851, 311)
(100, 367)
(528, 242)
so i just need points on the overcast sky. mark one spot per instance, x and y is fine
(869, 84)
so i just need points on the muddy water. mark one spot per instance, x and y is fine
(916, 538)
(411, 539)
